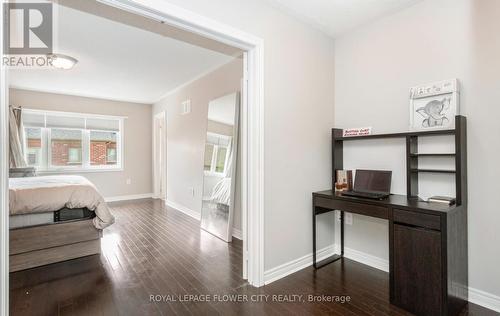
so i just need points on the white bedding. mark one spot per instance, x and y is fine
(52, 193)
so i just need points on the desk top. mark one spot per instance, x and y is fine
(394, 200)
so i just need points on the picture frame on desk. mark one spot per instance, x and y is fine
(343, 180)
(434, 105)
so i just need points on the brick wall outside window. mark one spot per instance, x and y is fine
(99, 152)
(61, 142)
(60, 149)
(34, 143)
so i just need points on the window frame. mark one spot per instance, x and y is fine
(115, 154)
(211, 158)
(215, 151)
(78, 154)
(37, 157)
(43, 154)
(119, 151)
(49, 166)
(46, 167)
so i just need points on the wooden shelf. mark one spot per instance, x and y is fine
(433, 170)
(397, 135)
(413, 170)
(433, 155)
(439, 229)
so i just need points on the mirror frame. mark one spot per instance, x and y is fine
(234, 146)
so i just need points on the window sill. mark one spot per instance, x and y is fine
(63, 171)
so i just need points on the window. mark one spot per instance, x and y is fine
(33, 141)
(209, 153)
(217, 153)
(74, 156)
(57, 141)
(33, 157)
(103, 148)
(66, 147)
(111, 156)
(220, 164)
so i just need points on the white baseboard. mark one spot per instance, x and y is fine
(364, 258)
(288, 268)
(128, 197)
(183, 209)
(476, 296)
(237, 234)
(484, 299)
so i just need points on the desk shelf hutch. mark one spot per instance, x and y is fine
(427, 241)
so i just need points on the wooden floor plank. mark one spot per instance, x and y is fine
(155, 250)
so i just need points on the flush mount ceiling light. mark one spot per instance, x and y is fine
(61, 61)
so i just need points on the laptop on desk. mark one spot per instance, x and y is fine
(371, 184)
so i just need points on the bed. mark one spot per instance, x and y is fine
(53, 219)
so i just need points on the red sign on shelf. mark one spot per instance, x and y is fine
(363, 131)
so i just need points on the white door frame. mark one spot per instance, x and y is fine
(159, 173)
(252, 130)
(4, 184)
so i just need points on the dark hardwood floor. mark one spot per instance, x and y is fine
(155, 250)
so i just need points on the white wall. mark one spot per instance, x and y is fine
(299, 80)
(374, 68)
(137, 155)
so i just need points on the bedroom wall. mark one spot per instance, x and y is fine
(186, 135)
(298, 115)
(374, 68)
(137, 137)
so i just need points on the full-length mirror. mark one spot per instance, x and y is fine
(220, 165)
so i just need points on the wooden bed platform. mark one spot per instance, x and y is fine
(45, 244)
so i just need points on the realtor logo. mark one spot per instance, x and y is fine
(28, 28)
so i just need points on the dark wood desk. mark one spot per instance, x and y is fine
(427, 249)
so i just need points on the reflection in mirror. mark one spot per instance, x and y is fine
(220, 166)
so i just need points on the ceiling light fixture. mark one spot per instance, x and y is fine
(61, 61)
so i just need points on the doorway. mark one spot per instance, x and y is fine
(252, 133)
(160, 156)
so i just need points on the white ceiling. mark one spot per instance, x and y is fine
(118, 61)
(335, 17)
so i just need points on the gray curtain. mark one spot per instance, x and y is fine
(16, 138)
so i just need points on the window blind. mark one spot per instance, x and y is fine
(66, 120)
(31, 119)
(60, 121)
(103, 124)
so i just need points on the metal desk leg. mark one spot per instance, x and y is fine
(334, 257)
(314, 236)
(342, 233)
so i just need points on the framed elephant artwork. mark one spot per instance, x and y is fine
(434, 105)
